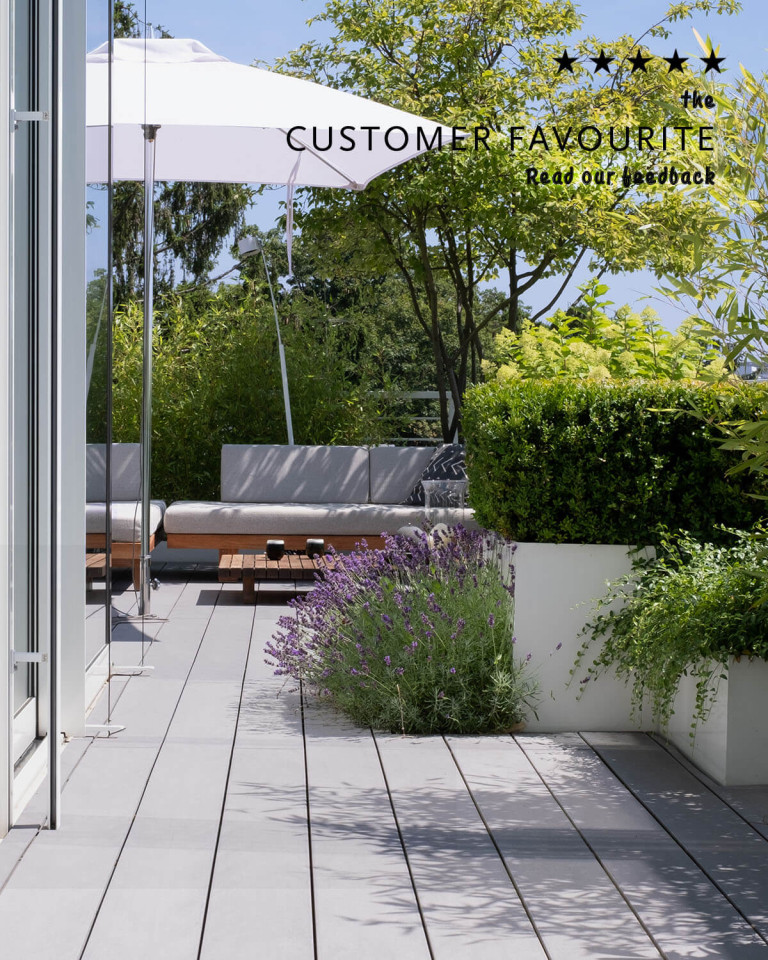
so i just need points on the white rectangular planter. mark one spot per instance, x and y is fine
(732, 744)
(555, 589)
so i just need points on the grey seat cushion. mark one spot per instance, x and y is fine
(396, 470)
(270, 473)
(125, 467)
(327, 519)
(126, 519)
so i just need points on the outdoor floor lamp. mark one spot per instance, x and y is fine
(250, 247)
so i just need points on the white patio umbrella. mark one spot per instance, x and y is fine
(181, 112)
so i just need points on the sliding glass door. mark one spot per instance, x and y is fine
(98, 386)
(32, 342)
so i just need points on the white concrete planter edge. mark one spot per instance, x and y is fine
(555, 589)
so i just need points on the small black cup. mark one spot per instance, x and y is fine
(275, 549)
(315, 548)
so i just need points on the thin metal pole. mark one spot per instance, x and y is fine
(109, 291)
(54, 666)
(281, 351)
(145, 581)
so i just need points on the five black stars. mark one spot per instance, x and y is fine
(566, 62)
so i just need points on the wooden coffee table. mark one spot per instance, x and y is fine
(250, 567)
(95, 565)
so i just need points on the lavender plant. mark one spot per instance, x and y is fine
(414, 638)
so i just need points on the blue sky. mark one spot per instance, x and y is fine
(244, 31)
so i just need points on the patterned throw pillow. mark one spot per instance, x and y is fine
(446, 464)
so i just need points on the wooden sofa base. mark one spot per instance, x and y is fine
(234, 542)
(123, 555)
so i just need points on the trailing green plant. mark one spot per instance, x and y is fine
(564, 460)
(684, 612)
(587, 343)
(415, 638)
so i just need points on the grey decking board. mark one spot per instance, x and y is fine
(105, 792)
(15, 844)
(133, 631)
(64, 874)
(260, 890)
(364, 899)
(680, 907)
(277, 588)
(155, 903)
(181, 599)
(468, 901)
(270, 606)
(731, 852)
(259, 902)
(749, 801)
(578, 912)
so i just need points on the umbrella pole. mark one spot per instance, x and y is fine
(145, 579)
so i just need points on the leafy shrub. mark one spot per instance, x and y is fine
(607, 462)
(594, 345)
(630, 345)
(685, 612)
(217, 380)
(415, 638)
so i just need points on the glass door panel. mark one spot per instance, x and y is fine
(98, 386)
(30, 217)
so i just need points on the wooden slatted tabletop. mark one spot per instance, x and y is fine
(95, 565)
(250, 567)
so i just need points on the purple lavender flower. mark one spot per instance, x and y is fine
(360, 613)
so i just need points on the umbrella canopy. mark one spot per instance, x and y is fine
(229, 123)
(178, 111)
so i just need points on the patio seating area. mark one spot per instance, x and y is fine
(232, 819)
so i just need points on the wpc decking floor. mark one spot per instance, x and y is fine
(229, 822)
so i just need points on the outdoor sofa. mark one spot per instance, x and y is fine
(341, 494)
(125, 508)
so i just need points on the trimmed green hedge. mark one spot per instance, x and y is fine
(560, 461)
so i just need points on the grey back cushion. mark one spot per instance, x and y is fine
(395, 471)
(126, 472)
(267, 473)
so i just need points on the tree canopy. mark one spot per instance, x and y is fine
(731, 291)
(473, 215)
